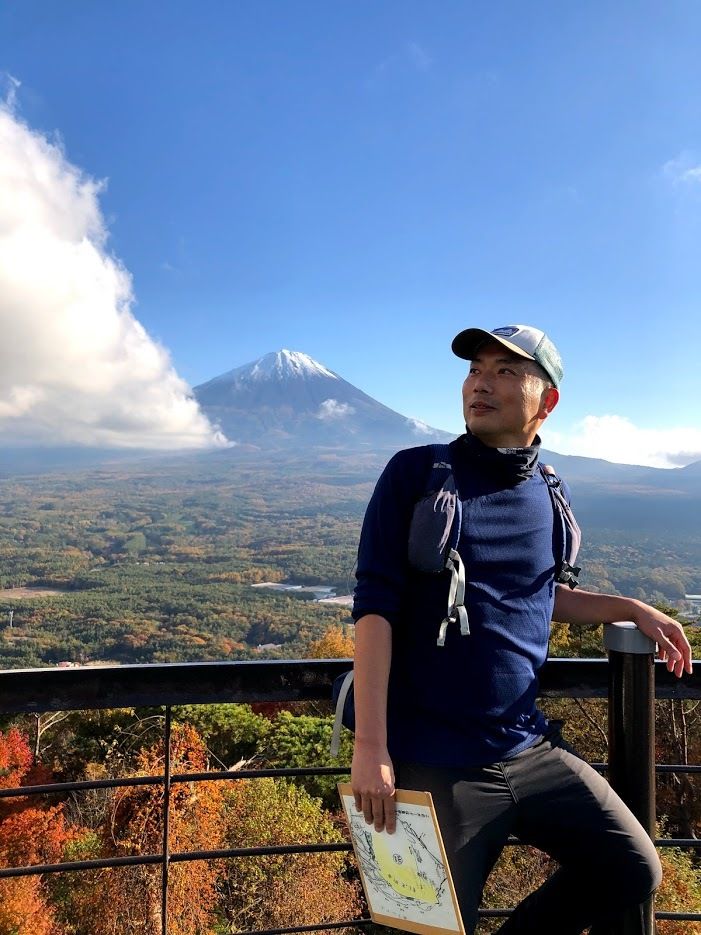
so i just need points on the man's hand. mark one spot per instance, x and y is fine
(372, 781)
(668, 634)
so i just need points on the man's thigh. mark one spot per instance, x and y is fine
(568, 810)
(475, 810)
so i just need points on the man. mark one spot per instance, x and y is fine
(460, 720)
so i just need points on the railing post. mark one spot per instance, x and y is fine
(165, 863)
(632, 739)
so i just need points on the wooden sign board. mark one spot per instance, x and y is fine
(405, 875)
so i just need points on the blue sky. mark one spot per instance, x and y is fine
(361, 180)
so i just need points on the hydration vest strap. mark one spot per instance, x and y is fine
(457, 612)
(569, 575)
(338, 719)
(566, 526)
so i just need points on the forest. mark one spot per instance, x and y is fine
(155, 565)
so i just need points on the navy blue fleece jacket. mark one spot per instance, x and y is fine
(471, 702)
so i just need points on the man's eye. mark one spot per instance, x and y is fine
(506, 370)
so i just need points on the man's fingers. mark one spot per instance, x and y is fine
(668, 652)
(667, 648)
(684, 647)
(675, 651)
(390, 815)
(384, 811)
(373, 811)
(378, 811)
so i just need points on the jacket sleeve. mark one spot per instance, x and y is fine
(382, 554)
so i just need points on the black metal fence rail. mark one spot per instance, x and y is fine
(33, 691)
(89, 688)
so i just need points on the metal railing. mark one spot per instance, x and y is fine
(628, 679)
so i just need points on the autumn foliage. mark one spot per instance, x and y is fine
(240, 893)
(30, 833)
(334, 643)
(276, 891)
(15, 759)
(114, 902)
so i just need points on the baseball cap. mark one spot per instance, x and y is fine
(523, 340)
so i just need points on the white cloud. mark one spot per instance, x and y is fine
(419, 428)
(331, 409)
(683, 170)
(10, 85)
(76, 367)
(616, 438)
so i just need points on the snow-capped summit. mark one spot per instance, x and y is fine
(288, 398)
(284, 363)
(278, 365)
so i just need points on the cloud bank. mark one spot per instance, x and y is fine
(616, 438)
(77, 368)
(419, 428)
(331, 410)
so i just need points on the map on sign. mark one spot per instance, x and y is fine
(405, 875)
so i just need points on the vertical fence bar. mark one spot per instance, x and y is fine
(165, 867)
(632, 740)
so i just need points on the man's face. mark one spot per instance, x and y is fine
(505, 400)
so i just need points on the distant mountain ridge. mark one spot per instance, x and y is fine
(286, 399)
(293, 408)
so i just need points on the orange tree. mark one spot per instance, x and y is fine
(30, 833)
(123, 901)
(335, 642)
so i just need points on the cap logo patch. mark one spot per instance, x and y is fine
(506, 332)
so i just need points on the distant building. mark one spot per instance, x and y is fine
(694, 602)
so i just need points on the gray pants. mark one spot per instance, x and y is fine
(550, 798)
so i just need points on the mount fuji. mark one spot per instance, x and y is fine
(286, 399)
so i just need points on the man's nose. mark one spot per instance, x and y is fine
(481, 383)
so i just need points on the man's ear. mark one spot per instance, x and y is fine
(549, 400)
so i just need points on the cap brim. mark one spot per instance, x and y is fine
(466, 343)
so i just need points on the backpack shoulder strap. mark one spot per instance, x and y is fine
(441, 465)
(441, 471)
(441, 482)
(567, 530)
(345, 713)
